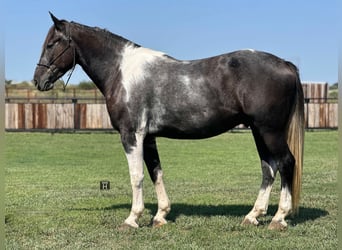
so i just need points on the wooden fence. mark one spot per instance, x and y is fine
(74, 109)
(75, 116)
(56, 116)
(316, 92)
(321, 115)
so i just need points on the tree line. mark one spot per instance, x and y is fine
(58, 84)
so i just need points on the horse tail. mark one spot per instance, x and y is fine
(295, 140)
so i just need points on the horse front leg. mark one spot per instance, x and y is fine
(133, 145)
(152, 161)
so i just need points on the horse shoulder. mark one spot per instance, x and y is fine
(134, 64)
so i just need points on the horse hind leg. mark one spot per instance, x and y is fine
(273, 147)
(286, 169)
(269, 170)
(261, 204)
(275, 156)
(152, 162)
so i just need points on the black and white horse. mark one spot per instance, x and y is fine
(150, 94)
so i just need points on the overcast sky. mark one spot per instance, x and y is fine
(303, 32)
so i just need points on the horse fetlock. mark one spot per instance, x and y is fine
(260, 211)
(130, 222)
(164, 207)
(135, 214)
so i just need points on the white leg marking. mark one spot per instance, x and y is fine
(260, 206)
(164, 206)
(261, 203)
(136, 170)
(185, 80)
(284, 209)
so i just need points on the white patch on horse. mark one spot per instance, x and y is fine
(251, 50)
(185, 80)
(142, 125)
(134, 60)
(271, 171)
(261, 203)
(284, 208)
(285, 202)
(185, 62)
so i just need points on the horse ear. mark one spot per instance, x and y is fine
(58, 23)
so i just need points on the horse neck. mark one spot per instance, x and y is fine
(99, 55)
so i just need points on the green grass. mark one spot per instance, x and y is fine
(53, 199)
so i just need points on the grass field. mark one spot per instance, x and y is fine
(53, 199)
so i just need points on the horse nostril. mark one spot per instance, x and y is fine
(36, 84)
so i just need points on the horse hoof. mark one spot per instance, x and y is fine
(247, 222)
(277, 225)
(125, 227)
(159, 223)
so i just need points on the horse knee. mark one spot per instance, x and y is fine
(268, 172)
(137, 180)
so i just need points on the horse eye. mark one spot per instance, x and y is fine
(51, 44)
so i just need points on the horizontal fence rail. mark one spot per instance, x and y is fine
(92, 116)
(77, 109)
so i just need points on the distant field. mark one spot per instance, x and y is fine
(53, 200)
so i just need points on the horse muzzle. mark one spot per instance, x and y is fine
(44, 79)
(43, 86)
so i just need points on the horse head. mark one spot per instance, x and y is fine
(58, 55)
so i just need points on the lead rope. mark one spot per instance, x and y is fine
(73, 66)
(72, 70)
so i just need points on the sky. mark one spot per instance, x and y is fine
(303, 32)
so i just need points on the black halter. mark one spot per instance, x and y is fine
(50, 64)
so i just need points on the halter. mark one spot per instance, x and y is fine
(50, 64)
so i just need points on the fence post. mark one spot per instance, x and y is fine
(74, 101)
(307, 100)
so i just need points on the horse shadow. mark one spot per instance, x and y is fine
(182, 209)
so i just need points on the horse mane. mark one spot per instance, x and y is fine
(106, 33)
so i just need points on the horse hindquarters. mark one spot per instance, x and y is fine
(280, 150)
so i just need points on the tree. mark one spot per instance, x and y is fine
(333, 91)
(334, 86)
(86, 85)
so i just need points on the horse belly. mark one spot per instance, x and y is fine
(197, 125)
